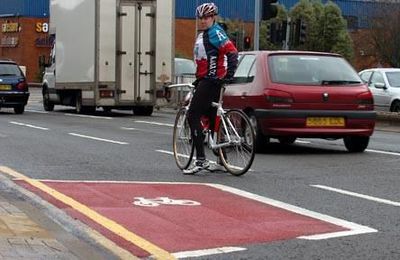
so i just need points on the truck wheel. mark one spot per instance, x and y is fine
(78, 104)
(143, 111)
(47, 104)
(19, 109)
(356, 144)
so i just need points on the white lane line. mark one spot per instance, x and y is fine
(302, 142)
(359, 195)
(205, 252)
(153, 123)
(367, 150)
(97, 138)
(36, 111)
(88, 116)
(129, 128)
(354, 228)
(382, 152)
(28, 125)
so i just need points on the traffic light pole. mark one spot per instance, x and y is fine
(257, 16)
(286, 47)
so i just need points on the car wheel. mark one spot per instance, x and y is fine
(356, 144)
(395, 107)
(262, 141)
(19, 109)
(287, 140)
(47, 104)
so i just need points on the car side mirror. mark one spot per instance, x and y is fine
(380, 85)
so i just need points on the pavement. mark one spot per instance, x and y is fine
(30, 230)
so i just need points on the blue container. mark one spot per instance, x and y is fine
(27, 8)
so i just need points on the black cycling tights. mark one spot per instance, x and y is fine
(207, 91)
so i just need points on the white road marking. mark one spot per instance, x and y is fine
(382, 152)
(88, 116)
(36, 111)
(129, 128)
(302, 142)
(367, 150)
(97, 138)
(28, 125)
(354, 228)
(205, 252)
(153, 123)
(359, 195)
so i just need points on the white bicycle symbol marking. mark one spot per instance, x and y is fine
(140, 201)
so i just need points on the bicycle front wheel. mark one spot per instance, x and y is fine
(182, 140)
(238, 156)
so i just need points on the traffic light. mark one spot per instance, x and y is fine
(272, 33)
(303, 33)
(269, 9)
(247, 42)
(300, 32)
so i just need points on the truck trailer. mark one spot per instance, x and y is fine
(113, 54)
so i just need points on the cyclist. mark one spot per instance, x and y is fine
(216, 59)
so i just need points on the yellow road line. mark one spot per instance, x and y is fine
(109, 224)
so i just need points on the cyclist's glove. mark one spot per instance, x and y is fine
(196, 83)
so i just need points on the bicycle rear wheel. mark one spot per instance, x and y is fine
(237, 157)
(183, 147)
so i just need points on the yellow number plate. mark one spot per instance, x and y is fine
(5, 87)
(325, 121)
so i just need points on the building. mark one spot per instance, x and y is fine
(24, 24)
(23, 35)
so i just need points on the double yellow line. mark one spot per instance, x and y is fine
(109, 224)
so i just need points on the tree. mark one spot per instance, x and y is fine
(385, 34)
(326, 29)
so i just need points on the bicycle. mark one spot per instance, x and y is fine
(232, 139)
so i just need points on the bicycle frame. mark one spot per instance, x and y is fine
(212, 144)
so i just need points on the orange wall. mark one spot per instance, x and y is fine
(27, 52)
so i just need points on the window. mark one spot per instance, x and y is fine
(365, 76)
(245, 71)
(8, 69)
(393, 78)
(311, 70)
(377, 77)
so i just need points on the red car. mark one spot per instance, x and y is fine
(291, 94)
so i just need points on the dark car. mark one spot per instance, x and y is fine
(13, 87)
(291, 94)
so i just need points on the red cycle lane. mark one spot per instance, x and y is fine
(181, 217)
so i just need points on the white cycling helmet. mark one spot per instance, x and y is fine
(206, 9)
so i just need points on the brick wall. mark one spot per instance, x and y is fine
(31, 44)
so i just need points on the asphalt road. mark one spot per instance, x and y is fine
(316, 175)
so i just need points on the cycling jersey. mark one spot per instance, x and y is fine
(215, 55)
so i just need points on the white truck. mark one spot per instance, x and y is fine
(113, 54)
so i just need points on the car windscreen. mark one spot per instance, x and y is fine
(311, 70)
(7, 69)
(394, 78)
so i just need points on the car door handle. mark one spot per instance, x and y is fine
(244, 95)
